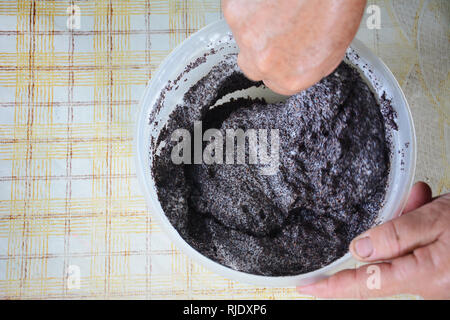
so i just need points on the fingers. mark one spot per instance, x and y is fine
(368, 281)
(419, 196)
(379, 280)
(401, 235)
(292, 84)
(416, 245)
(248, 68)
(419, 273)
(289, 83)
(280, 89)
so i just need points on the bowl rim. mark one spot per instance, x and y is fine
(156, 210)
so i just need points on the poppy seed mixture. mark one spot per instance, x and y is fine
(329, 185)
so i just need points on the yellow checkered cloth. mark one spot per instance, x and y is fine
(73, 221)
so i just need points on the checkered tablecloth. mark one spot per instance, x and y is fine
(70, 205)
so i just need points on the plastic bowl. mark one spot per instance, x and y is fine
(218, 36)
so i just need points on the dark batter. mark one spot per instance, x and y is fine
(334, 163)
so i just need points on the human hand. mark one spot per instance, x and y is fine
(414, 248)
(292, 44)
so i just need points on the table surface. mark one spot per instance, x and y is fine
(70, 203)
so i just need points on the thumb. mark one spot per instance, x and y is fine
(401, 235)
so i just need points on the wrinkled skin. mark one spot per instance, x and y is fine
(292, 44)
(412, 251)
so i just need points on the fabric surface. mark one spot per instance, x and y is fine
(70, 204)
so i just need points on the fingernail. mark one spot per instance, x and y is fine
(363, 247)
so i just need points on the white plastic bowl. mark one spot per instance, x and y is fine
(218, 36)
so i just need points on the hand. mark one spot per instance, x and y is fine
(415, 249)
(292, 44)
